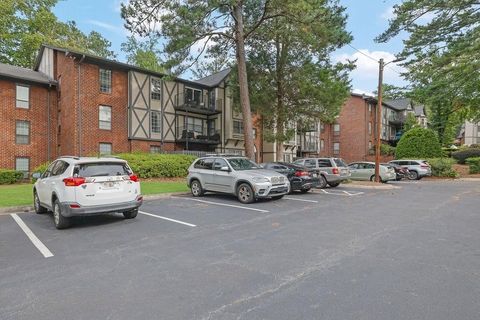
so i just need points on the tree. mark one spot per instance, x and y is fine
(391, 92)
(291, 76)
(443, 50)
(192, 28)
(410, 122)
(27, 24)
(418, 143)
(143, 54)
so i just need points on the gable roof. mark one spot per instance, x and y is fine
(419, 111)
(215, 79)
(400, 104)
(29, 75)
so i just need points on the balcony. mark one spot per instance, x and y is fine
(198, 104)
(396, 119)
(197, 135)
(309, 146)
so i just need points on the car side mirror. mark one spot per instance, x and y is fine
(227, 169)
(36, 175)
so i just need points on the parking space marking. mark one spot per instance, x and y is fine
(224, 204)
(343, 193)
(168, 219)
(36, 242)
(304, 200)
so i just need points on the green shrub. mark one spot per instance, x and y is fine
(474, 164)
(387, 150)
(147, 165)
(41, 168)
(463, 154)
(418, 143)
(10, 176)
(442, 167)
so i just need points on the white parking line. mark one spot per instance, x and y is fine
(168, 219)
(223, 204)
(36, 242)
(304, 200)
(342, 193)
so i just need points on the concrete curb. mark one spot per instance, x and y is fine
(8, 210)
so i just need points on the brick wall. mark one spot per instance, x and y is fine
(38, 148)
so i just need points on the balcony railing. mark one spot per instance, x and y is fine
(199, 104)
(197, 134)
(396, 119)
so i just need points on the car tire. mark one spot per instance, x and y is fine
(413, 175)
(245, 193)
(59, 220)
(334, 184)
(322, 182)
(130, 214)
(305, 190)
(196, 188)
(372, 178)
(36, 204)
(277, 197)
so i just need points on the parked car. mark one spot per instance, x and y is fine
(400, 172)
(331, 171)
(235, 175)
(418, 168)
(301, 178)
(74, 186)
(366, 171)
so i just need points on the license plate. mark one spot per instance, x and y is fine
(314, 175)
(108, 185)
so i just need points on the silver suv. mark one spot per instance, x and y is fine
(235, 175)
(332, 171)
(418, 168)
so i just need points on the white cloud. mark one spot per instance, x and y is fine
(106, 26)
(388, 14)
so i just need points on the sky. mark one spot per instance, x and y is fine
(366, 19)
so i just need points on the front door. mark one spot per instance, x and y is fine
(223, 180)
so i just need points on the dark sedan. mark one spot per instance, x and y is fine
(301, 178)
(400, 172)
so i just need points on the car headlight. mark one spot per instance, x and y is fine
(260, 179)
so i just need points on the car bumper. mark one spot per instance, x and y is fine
(337, 177)
(70, 209)
(389, 177)
(268, 190)
(304, 184)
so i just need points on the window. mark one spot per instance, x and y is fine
(370, 127)
(156, 89)
(22, 164)
(369, 145)
(22, 132)
(336, 128)
(310, 163)
(211, 127)
(155, 121)
(370, 107)
(286, 158)
(59, 168)
(102, 169)
(322, 127)
(105, 80)
(105, 148)
(220, 163)
(237, 127)
(105, 117)
(206, 164)
(195, 125)
(193, 95)
(155, 149)
(336, 147)
(324, 163)
(322, 144)
(23, 96)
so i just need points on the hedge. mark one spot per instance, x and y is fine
(10, 176)
(442, 167)
(418, 143)
(474, 164)
(147, 165)
(462, 155)
(387, 150)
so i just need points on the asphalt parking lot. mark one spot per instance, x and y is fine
(344, 253)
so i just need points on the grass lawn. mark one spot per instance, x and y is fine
(21, 194)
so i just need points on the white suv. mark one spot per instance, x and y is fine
(73, 186)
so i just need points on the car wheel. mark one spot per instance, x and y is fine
(413, 175)
(196, 188)
(334, 184)
(130, 214)
(322, 182)
(36, 203)
(277, 197)
(60, 221)
(245, 193)
(305, 190)
(372, 178)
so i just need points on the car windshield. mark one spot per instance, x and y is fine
(339, 162)
(242, 164)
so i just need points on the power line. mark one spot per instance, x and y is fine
(372, 58)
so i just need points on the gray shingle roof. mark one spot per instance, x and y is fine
(419, 111)
(214, 79)
(24, 74)
(399, 104)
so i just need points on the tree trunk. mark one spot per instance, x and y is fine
(280, 130)
(243, 81)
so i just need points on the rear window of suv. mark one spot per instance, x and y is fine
(101, 169)
(339, 162)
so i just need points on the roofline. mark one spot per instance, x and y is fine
(28, 80)
(230, 70)
(119, 65)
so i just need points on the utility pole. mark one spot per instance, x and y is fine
(379, 121)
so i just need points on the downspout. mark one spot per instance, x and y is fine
(79, 107)
(48, 124)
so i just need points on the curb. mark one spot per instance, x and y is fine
(8, 210)
(362, 186)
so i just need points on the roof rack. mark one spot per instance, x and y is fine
(223, 155)
(71, 157)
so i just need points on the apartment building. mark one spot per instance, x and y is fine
(78, 104)
(469, 133)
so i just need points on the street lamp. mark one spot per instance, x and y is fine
(382, 64)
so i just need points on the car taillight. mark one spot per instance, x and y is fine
(424, 166)
(74, 182)
(301, 174)
(335, 171)
(133, 178)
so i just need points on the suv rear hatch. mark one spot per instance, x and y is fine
(105, 183)
(342, 166)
